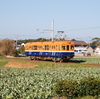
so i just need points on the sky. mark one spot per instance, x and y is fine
(20, 19)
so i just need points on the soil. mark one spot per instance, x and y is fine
(19, 65)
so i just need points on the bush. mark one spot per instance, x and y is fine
(66, 88)
(6, 47)
(89, 86)
(16, 53)
(21, 50)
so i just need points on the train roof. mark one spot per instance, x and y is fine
(50, 42)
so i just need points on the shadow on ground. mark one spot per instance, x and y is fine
(76, 61)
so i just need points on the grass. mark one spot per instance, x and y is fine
(2, 57)
(2, 63)
(86, 60)
(61, 65)
(75, 63)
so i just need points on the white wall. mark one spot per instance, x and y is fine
(97, 51)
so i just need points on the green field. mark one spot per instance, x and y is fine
(86, 60)
(38, 82)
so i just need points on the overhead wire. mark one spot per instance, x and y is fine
(83, 28)
(11, 36)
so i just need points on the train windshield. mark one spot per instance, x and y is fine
(68, 47)
(72, 47)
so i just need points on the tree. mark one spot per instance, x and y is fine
(7, 47)
(34, 40)
(95, 41)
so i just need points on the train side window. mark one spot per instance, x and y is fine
(35, 47)
(46, 47)
(67, 47)
(63, 47)
(53, 47)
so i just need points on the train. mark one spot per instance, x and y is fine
(56, 51)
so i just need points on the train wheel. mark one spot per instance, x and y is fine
(54, 59)
(61, 60)
(42, 58)
(57, 59)
(32, 57)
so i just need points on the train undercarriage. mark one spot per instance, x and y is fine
(54, 59)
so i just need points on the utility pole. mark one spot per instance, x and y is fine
(16, 41)
(52, 30)
(89, 41)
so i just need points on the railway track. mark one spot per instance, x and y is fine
(13, 58)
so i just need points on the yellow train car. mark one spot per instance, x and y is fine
(55, 50)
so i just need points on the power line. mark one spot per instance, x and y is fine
(83, 29)
(21, 35)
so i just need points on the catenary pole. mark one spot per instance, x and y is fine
(52, 30)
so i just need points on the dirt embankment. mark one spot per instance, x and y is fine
(19, 65)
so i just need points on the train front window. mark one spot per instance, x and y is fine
(63, 47)
(72, 47)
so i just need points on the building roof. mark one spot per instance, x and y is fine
(80, 43)
(93, 47)
(98, 46)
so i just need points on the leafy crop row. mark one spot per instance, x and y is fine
(38, 83)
